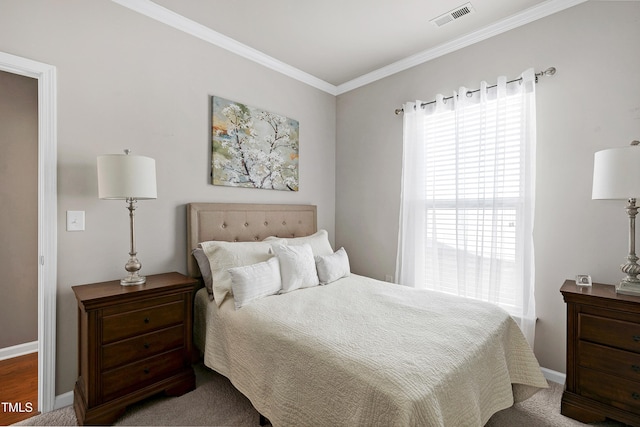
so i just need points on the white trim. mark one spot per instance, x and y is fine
(179, 22)
(63, 400)
(555, 376)
(168, 17)
(529, 15)
(47, 218)
(66, 399)
(18, 350)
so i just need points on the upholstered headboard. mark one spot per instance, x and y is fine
(238, 222)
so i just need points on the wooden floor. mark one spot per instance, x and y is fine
(18, 388)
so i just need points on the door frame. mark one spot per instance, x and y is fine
(47, 219)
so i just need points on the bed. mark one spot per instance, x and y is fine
(354, 351)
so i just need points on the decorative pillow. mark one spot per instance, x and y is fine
(333, 267)
(205, 269)
(225, 255)
(255, 281)
(319, 242)
(297, 267)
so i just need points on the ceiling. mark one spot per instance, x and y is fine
(338, 45)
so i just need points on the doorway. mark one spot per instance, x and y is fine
(19, 234)
(46, 261)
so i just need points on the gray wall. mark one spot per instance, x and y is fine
(592, 103)
(18, 209)
(126, 81)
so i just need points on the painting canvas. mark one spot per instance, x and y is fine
(252, 147)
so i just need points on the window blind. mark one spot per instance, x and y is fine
(472, 200)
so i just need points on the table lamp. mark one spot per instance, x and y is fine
(616, 175)
(131, 178)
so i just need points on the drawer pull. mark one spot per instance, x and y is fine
(635, 395)
(635, 368)
(147, 345)
(636, 338)
(146, 371)
(146, 320)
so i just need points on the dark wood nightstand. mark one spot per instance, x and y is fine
(603, 354)
(133, 342)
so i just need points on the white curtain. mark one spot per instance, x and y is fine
(468, 185)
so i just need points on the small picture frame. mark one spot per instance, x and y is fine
(583, 280)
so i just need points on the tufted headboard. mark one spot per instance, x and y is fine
(239, 222)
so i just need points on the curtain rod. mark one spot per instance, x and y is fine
(548, 72)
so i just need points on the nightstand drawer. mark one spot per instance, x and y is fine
(622, 363)
(141, 347)
(618, 392)
(137, 375)
(124, 325)
(611, 332)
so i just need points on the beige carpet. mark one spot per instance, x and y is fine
(215, 402)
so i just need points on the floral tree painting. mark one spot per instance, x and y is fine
(252, 147)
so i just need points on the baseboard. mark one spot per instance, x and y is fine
(66, 399)
(18, 350)
(63, 400)
(555, 376)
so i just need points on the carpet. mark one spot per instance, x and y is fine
(215, 402)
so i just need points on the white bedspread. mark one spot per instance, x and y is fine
(364, 352)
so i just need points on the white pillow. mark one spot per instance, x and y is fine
(319, 242)
(225, 255)
(255, 281)
(297, 267)
(333, 267)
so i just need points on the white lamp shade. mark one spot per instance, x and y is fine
(123, 176)
(616, 173)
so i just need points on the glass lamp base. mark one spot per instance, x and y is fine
(133, 266)
(133, 279)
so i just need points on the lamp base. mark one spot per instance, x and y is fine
(133, 266)
(133, 279)
(628, 288)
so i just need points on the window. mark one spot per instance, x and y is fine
(467, 208)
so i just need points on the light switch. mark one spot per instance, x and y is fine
(75, 220)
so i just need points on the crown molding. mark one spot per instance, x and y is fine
(529, 15)
(179, 22)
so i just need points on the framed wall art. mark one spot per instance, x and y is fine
(252, 147)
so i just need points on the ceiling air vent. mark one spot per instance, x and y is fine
(454, 14)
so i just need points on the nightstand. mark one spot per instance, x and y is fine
(133, 342)
(603, 354)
